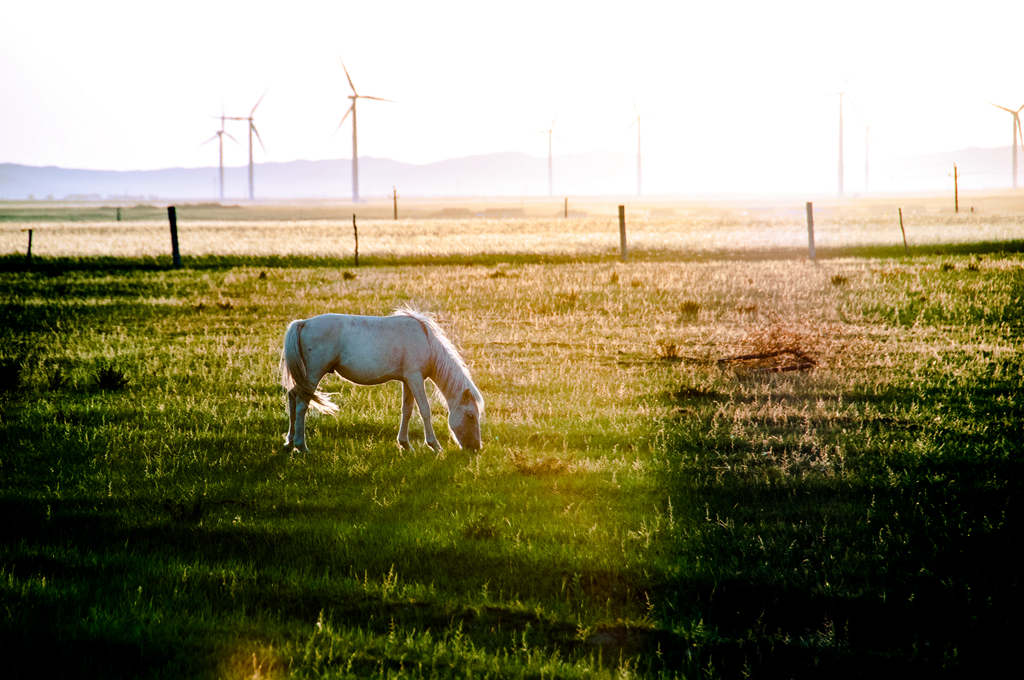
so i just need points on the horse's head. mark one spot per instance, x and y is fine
(464, 421)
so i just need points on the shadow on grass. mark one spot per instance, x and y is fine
(284, 579)
(905, 556)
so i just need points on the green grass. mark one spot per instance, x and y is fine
(638, 508)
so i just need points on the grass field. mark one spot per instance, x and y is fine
(683, 231)
(638, 509)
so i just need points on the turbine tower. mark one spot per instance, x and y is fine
(636, 121)
(550, 131)
(219, 135)
(867, 148)
(1016, 133)
(355, 96)
(867, 140)
(252, 130)
(841, 93)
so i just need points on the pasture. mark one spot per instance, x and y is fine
(638, 509)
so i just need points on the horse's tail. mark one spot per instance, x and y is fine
(293, 372)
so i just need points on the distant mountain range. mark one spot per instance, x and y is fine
(496, 174)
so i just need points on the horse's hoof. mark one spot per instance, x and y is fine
(435, 446)
(405, 445)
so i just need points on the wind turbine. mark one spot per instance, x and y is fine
(841, 93)
(219, 135)
(636, 121)
(867, 148)
(867, 141)
(550, 131)
(355, 96)
(1016, 133)
(252, 130)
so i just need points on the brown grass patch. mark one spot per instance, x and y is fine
(536, 467)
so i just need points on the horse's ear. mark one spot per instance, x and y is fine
(467, 397)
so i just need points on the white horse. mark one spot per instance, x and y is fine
(408, 346)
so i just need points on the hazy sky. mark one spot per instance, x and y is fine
(737, 93)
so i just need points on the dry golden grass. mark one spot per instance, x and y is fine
(586, 236)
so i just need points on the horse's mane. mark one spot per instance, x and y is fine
(451, 375)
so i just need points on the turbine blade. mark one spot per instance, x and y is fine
(1019, 132)
(258, 102)
(855, 108)
(209, 140)
(1002, 107)
(232, 138)
(343, 119)
(348, 76)
(257, 133)
(380, 99)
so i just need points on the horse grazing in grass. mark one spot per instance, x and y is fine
(407, 346)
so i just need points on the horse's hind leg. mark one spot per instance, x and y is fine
(289, 438)
(299, 437)
(301, 408)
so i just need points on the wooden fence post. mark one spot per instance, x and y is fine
(622, 232)
(902, 231)
(956, 191)
(810, 229)
(566, 207)
(29, 257)
(119, 214)
(396, 201)
(355, 234)
(172, 215)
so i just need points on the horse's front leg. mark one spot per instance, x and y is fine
(416, 385)
(408, 401)
(289, 438)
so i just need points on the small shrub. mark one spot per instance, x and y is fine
(110, 378)
(689, 309)
(498, 275)
(839, 280)
(973, 267)
(614, 278)
(347, 275)
(948, 267)
(481, 528)
(263, 275)
(751, 309)
(198, 307)
(667, 350)
(636, 283)
(225, 304)
(566, 302)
